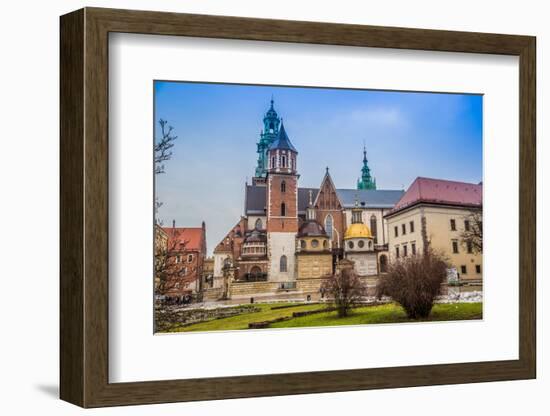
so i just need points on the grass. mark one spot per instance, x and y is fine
(390, 313)
(242, 321)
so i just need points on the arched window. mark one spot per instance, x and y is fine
(373, 228)
(283, 161)
(283, 264)
(273, 162)
(328, 225)
(283, 186)
(325, 244)
(255, 271)
(315, 243)
(283, 210)
(258, 225)
(303, 244)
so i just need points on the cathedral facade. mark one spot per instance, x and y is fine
(291, 238)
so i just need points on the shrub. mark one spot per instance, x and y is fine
(414, 282)
(346, 289)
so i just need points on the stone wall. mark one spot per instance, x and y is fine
(310, 286)
(167, 317)
(314, 265)
(212, 293)
(244, 289)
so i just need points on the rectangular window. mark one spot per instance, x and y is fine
(397, 252)
(411, 224)
(405, 251)
(403, 229)
(469, 247)
(453, 225)
(478, 268)
(413, 249)
(178, 258)
(466, 225)
(463, 269)
(396, 230)
(189, 258)
(455, 246)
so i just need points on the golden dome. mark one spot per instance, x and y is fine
(358, 230)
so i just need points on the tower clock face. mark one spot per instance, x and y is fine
(271, 130)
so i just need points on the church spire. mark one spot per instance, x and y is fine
(268, 135)
(366, 181)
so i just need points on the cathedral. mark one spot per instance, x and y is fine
(290, 238)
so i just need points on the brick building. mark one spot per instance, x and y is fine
(182, 267)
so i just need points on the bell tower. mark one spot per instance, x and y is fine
(268, 135)
(282, 207)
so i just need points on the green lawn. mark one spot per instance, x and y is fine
(242, 321)
(390, 313)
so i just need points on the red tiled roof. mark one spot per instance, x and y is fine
(192, 238)
(439, 191)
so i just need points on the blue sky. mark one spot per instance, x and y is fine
(407, 134)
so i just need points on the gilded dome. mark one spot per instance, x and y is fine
(357, 230)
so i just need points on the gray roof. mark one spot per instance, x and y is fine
(282, 141)
(256, 198)
(369, 198)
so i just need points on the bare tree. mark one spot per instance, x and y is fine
(472, 236)
(414, 282)
(168, 270)
(163, 146)
(346, 289)
(163, 152)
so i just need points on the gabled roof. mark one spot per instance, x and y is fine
(440, 191)
(369, 198)
(185, 238)
(282, 141)
(326, 178)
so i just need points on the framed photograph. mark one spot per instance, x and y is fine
(255, 207)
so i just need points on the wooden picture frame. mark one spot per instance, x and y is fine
(84, 207)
